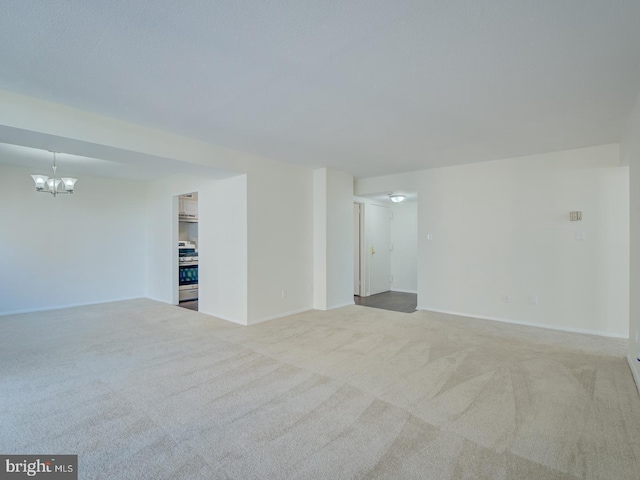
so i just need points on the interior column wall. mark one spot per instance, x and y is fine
(404, 256)
(320, 239)
(631, 156)
(223, 214)
(333, 238)
(280, 242)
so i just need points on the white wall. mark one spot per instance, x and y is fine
(222, 246)
(71, 250)
(320, 239)
(631, 156)
(404, 256)
(280, 241)
(502, 228)
(333, 239)
(222, 216)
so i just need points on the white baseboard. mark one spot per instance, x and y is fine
(333, 307)
(279, 315)
(528, 324)
(222, 317)
(404, 291)
(162, 300)
(634, 365)
(69, 305)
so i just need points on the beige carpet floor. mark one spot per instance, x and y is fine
(140, 389)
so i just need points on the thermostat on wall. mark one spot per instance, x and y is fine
(575, 216)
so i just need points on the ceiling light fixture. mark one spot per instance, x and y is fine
(396, 198)
(53, 185)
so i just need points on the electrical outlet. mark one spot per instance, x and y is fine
(533, 298)
(580, 235)
(390, 278)
(506, 299)
(429, 236)
(284, 293)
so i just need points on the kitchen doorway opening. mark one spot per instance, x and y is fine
(187, 251)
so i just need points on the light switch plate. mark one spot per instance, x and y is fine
(575, 216)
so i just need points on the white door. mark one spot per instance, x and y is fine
(356, 248)
(378, 236)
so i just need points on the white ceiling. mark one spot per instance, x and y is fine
(370, 87)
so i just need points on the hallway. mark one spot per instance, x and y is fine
(396, 301)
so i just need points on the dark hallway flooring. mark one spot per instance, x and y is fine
(396, 301)
(190, 304)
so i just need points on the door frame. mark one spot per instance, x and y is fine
(174, 247)
(359, 256)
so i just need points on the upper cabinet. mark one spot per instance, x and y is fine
(188, 210)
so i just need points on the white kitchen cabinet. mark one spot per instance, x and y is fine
(188, 210)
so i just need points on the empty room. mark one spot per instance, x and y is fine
(204, 203)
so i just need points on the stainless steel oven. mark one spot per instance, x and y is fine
(187, 271)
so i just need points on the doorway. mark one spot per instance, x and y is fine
(385, 252)
(187, 261)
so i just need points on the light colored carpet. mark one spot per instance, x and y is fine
(140, 389)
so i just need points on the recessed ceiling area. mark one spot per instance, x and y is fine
(40, 161)
(102, 161)
(368, 87)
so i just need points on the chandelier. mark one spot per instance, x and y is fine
(54, 185)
